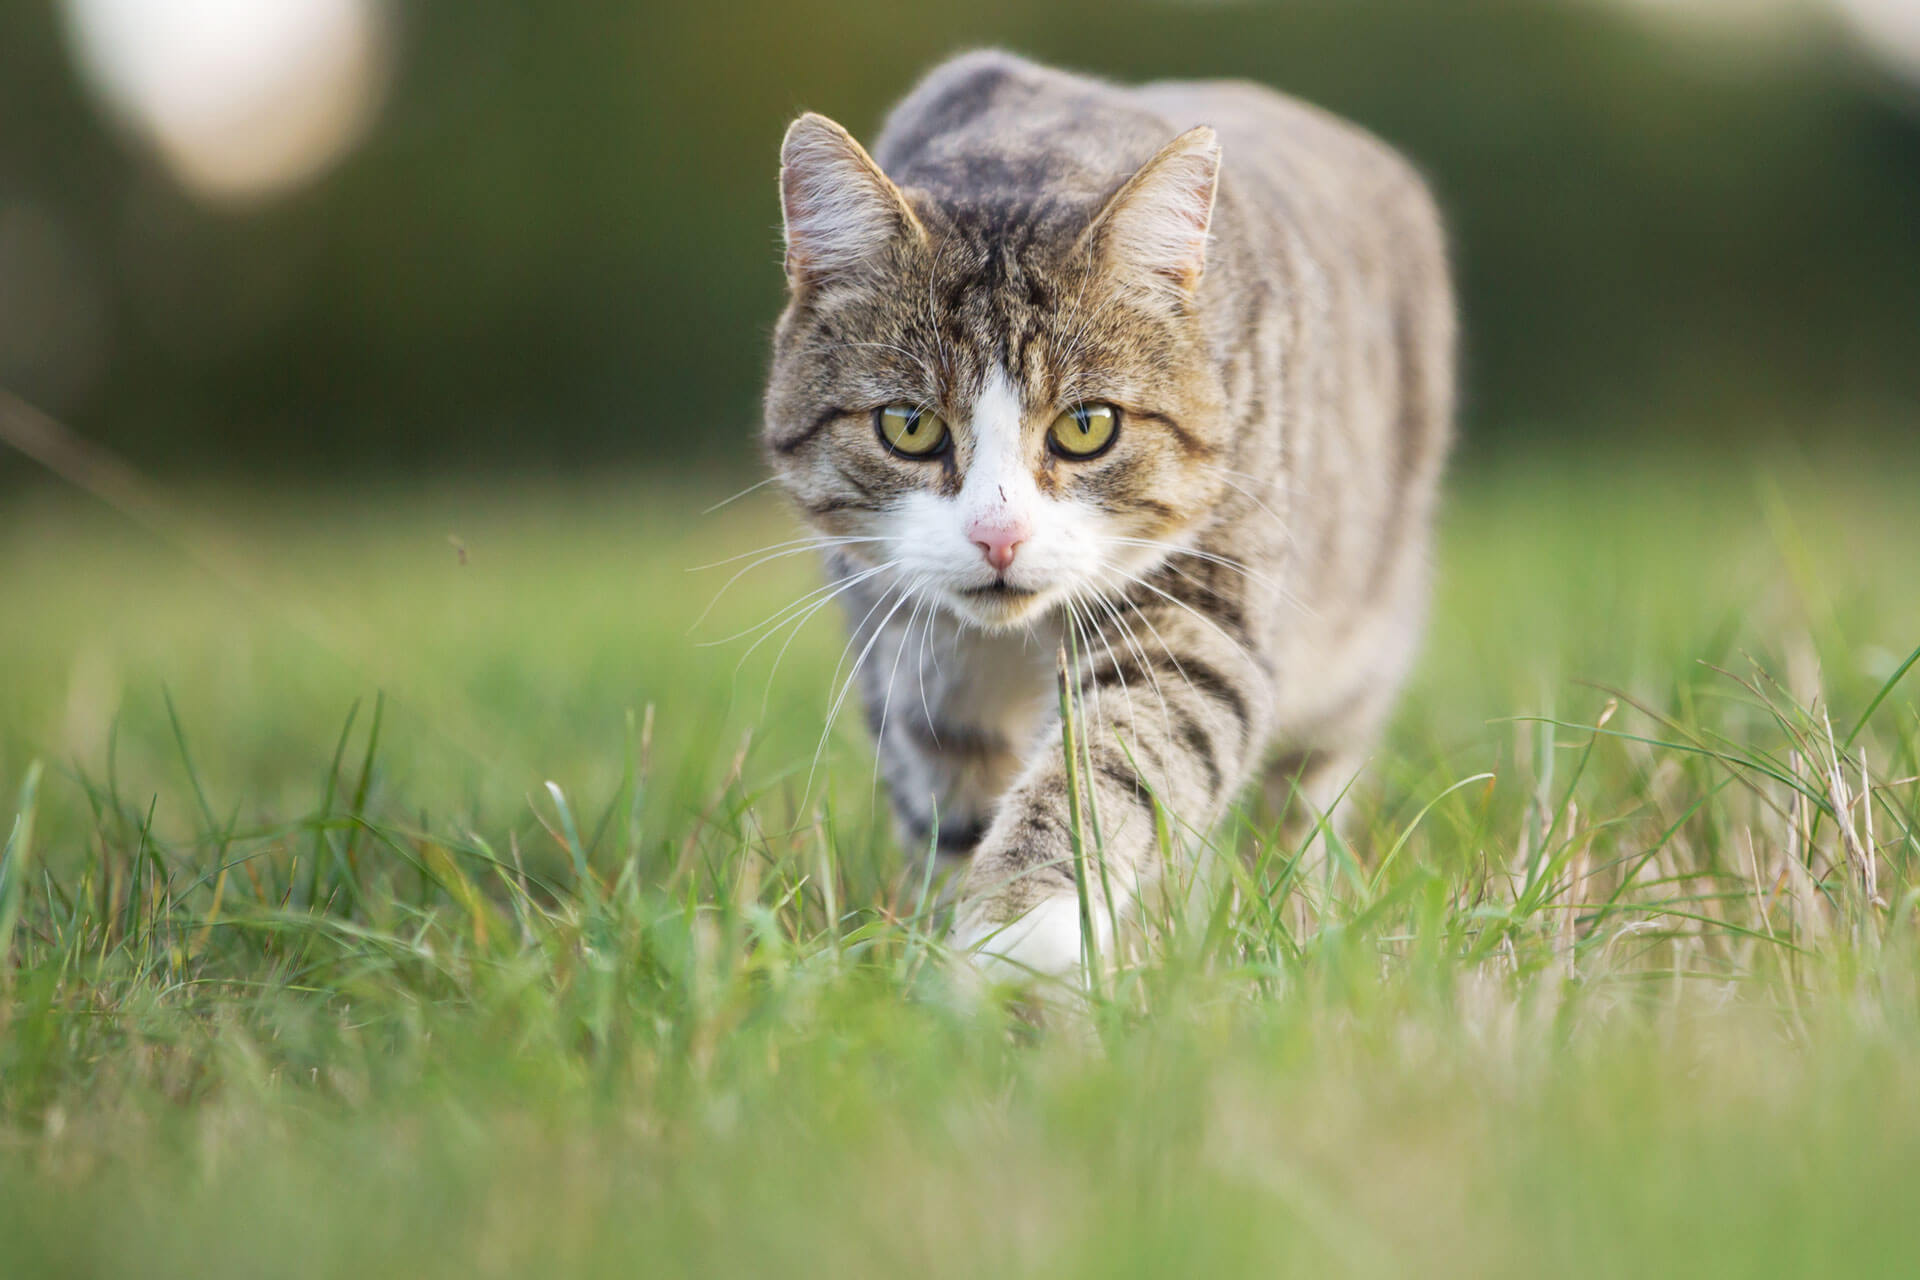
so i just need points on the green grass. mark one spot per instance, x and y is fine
(286, 995)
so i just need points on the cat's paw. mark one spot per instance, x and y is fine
(1043, 944)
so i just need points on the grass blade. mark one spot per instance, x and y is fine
(14, 865)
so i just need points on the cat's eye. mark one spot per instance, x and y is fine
(1084, 431)
(910, 432)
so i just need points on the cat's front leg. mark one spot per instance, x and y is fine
(1020, 910)
(951, 710)
(1178, 723)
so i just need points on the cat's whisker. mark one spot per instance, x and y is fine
(1086, 278)
(801, 548)
(1172, 657)
(920, 667)
(1085, 327)
(1135, 646)
(794, 626)
(1175, 550)
(934, 653)
(1085, 331)
(853, 672)
(1100, 633)
(1285, 487)
(1284, 530)
(932, 377)
(933, 311)
(1119, 671)
(1166, 648)
(812, 540)
(1139, 651)
(1081, 603)
(769, 624)
(800, 625)
(1082, 653)
(1238, 648)
(800, 612)
(780, 615)
(893, 674)
(1094, 631)
(1087, 381)
(760, 484)
(834, 683)
(854, 632)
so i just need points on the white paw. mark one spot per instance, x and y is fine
(1042, 944)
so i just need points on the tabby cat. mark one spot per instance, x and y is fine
(1158, 375)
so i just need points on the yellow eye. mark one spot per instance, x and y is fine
(911, 432)
(1084, 430)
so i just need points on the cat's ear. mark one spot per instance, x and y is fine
(840, 209)
(1156, 224)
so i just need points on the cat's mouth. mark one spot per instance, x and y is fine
(996, 604)
(999, 587)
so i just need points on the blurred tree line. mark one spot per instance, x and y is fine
(560, 244)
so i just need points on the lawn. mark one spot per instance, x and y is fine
(431, 881)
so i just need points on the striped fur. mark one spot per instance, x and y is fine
(1243, 574)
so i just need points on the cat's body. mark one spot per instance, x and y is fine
(1242, 567)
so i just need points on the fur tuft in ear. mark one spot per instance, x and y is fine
(1157, 222)
(840, 208)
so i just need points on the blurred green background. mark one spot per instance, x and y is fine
(547, 235)
(432, 337)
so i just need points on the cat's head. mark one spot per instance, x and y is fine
(1006, 402)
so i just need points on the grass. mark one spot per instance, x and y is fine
(295, 991)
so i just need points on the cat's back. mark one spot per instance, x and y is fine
(993, 126)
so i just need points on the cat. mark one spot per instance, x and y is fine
(1159, 375)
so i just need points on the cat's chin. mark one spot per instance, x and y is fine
(997, 608)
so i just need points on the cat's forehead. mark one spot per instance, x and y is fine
(995, 285)
(1019, 247)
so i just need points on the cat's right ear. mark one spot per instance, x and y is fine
(1155, 226)
(840, 209)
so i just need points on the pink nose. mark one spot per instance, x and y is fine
(998, 540)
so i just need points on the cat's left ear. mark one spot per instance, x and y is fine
(841, 210)
(1156, 223)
